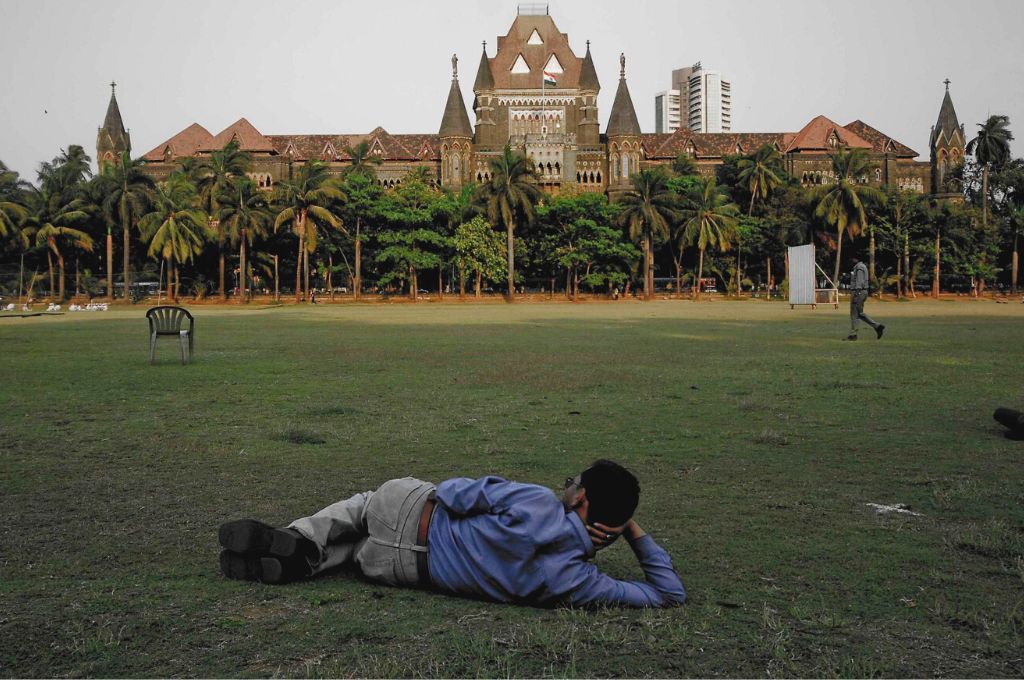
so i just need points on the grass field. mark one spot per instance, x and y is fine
(757, 434)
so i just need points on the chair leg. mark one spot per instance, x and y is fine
(181, 343)
(152, 349)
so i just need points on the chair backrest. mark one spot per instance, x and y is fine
(166, 319)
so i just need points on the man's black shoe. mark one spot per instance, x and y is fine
(274, 570)
(880, 330)
(252, 536)
(1008, 417)
(850, 337)
(1016, 435)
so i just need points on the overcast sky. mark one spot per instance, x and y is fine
(335, 66)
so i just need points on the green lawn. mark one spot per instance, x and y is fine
(758, 437)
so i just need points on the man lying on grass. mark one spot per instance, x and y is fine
(486, 537)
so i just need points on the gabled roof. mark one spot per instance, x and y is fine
(707, 145)
(249, 138)
(185, 143)
(880, 142)
(622, 120)
(392, 147)
(455, 121)
(816, 134)
(516, 43)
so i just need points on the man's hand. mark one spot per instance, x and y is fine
(602, 535)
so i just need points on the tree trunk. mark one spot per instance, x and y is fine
(1014, 267)
(223, 292)
(110, 266)
(298, 266)
(552, 296)
(938, 262)
(413, 284)
(739, 273)
(899, 278)
(908, 284)
(126, 277)
(650, 265)
(679, 277)
(839, 254)
(49, 262)
(440, 283)
(700, 274)
(78, 279)
(479, 276)
(769, 262)
(170, 292)
(984, 195)
(871, 258)
(241, 270)
(305, 269)
(462, 282)
(330, 275)
(277, 287)
(511, 263)
(60, 277)
(648, 293)
(357, 282)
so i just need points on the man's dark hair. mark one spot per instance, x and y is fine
(612, 491)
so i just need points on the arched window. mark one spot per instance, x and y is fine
(625, 166)
(615, 167)
(455, 167)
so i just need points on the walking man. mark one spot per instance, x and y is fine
(487, 538)
(859, 284)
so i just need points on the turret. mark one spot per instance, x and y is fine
(946, 145)
(589, 127)
(483, 106)
(456, 135)
(112, 139)
(623, 134)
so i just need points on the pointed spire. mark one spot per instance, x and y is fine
(588, 74)
(455, 122)
(484, 77)
(113, 135)
(623, 120)
(947, 122)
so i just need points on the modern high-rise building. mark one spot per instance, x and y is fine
(700, 101)
(666, 111)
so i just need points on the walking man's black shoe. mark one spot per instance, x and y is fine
(250, 536)
(850, 337)
(880, 330)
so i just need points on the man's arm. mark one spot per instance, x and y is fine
(661, 589)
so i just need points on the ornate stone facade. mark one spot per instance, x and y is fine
(537, 95)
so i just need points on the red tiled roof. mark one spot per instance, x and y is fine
(392, 147)
(249, 138)
(815, 137)
(880, 142)
(708, 145)
(185, 143)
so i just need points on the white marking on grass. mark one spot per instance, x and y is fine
(900, 508)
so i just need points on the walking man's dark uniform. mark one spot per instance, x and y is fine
(859, 283)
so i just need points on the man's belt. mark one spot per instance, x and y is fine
(422, 533)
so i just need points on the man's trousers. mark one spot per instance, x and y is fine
(857, 299)
(376, 530)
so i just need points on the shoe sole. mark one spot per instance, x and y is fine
(243, 568)
(251, 536)
(880, 331)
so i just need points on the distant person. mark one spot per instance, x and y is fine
(859, 286)
(312, 296)
(487, 538)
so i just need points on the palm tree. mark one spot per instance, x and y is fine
(176, 228)
(842, 205)
(709, 219)
(648, 209)
(49, 220)
(129, 192)
(685, 166)
(12, 196)
(761, 172)
(304, 202)
(991, 148)
(509, 198)
(360, 160)
(212, 177)
(244, 215)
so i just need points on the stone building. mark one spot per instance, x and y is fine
(536, 94)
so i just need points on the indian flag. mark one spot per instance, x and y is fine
(549, 78)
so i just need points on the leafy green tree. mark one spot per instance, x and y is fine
(361, 162)
(709, 219)
(509, 198)
(212, 177)
(51, 221)
(647, 211)
(991, 148)
(243, 217)
(363, 193)
(480, 252)
(412, 237)
(177, 228)
(898, 216)
(842, 205)
(12, 198)
(305, 203)
(684, 165)
(761, 173)
(129, 193)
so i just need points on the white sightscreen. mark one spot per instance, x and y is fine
(801, 275)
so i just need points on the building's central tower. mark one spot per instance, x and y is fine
(536, 94)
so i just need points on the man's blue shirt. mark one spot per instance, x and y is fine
(513, 542)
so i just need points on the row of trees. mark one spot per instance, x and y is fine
(327, 228)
